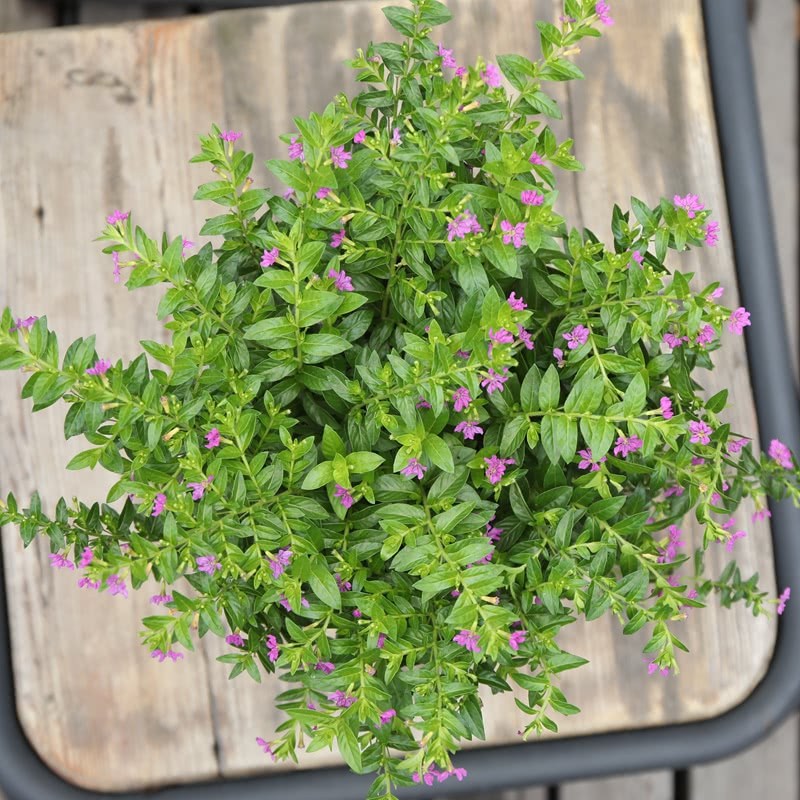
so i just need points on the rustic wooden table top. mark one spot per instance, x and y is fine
(93, 119)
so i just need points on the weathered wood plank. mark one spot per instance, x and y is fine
(127, 85)
(21, 15)
(769, 769)
(645, 786)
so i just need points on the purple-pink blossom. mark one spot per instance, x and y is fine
(493, 382)
(208, 564)
(342, 281)
(162, 656)
(761, 513)
(359, 137)
(706, 335)
(536, 159)
(414, 469)
(558, 355)
(491, 76)
(273, 651)
(666, 408)
(280, 562)
(783, 599)
(468, 639)
(717, 293)
(159, 504)
(447, 57)
(235, 639)
(461, 398)
(266, 746)
(780, 453)
(578, 336)
(516, 639)
(212, 439)
(100, 367)
(160, 599)
(357, 613)
(344, 496)
(700, 432)
(116, 585)
(736, 535)
(673, 543)
(186, 245)
(711, 232)
(422, 403)
(340, 699)
(396, 139)
(230, 136)
(117, 273)
(322, 192)
(513, 234)
(468, 429)
(690, 203)
(460, 72)
(493, 534)
(344, 586)
(530, 197)
(735, 445)
(517, 303)
(85, 582)
(269, 257)
(199, 488)
(500, 336)
(524, 337)
(637, 257)
(587, 460)
(87, 556)
(739, 320)
(672, 341)
(603, 12)
(325, 666)
(381, 641)
(625, 445)
(337, 238)
(117, 216)
(60, 561)
(340, 157)
(23, 323)
(496, 468)
(458, 227)
(387, 716)
(296, 150)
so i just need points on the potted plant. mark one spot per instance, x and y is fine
(410, 423)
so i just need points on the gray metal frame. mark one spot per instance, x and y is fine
(23, 776)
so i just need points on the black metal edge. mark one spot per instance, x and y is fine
(24, 776)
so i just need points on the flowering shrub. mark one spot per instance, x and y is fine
(410, 424)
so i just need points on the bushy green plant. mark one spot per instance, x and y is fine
(410, 424)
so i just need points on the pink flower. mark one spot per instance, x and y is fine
(673, 543)
(396, 139)
(558, 355)
(666, 408)
(494, 382)
(381, 641)
(340, 157)
(516, 639)
(468, 639)
(706, 335)
(513, 234)
(325, 666)
(458, 227)
(491, 76)
(414, 469)
(603, 12)
(273, 651)
(86, 582)
(212, 439)
(711, 232)
(170, 654)
(501, 336)
(447, 57)
(637, 257)
(674, 491)
(690, 204)
(468, 428)
(234, 639)
(736, 445)
(422, 403)
(761, 513)
(208, 564)
(672, 341)
(288, 194)
(780, 453)
(296, 150)
(117, 272)
(117, 216)
(267, 746)
(517, 303)
(625, 445)
(524, 337)
(536, 158)
(460, 72)
(337, 238)
(116, 585)
(23, 323)
(86, 557)
(322, 192)
(280, 562)
(159, 504)
(387, 715)
(653, 667)
(461, 398)
(732, 541)
(357, 613)
(199, 489)
(342, 280)
(783, 599)
(717, 293)
(578, 336)
(496, 468)
(100, 367)
(587, 461)
(186, 245)
(60, 561)
(344, 586)
(341, 700)
(530, 197)
(359, 137)
(270, 257)
(230, 136)
(161, 599)
(463, 353)
(344, 496)
(739, 320)
(493, 534)
(697, 461)
(701, 432)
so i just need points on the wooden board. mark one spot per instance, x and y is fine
(646, 786)
(21, 15)
(130, 101)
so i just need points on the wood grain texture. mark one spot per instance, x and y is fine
(129, 102)
(770, 769)
(645, 786)
(21, 15)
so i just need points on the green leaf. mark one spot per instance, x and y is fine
(447, 520)
(331, 443)
(324, 585)
(362, 462)
(320, 475)
(529, 390)
(438, 452)
(401, 19)
(347, 740)
(316, 306)
(550, 389)
(319, 346)
(635, 396)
